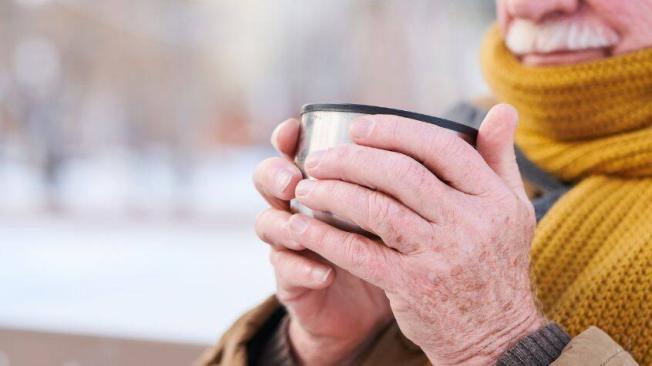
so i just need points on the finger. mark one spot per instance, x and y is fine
(295, 274)
(360, 256)
(452, 159)
(272, 228)
(285, 137)
(275, 179)
(398, 227)
(496, 145)
(396, 174)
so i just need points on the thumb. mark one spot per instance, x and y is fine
(496, 145)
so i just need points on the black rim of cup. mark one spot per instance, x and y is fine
(369, 109)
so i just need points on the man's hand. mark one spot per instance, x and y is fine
(455, 224)
(331, 312)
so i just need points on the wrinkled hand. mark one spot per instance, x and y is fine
(455, 224)
(331, 312)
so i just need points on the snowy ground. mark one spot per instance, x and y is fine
(103, 267)
(158, 280)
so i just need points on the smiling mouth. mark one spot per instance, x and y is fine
(565, 57)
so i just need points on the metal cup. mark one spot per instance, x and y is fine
(327, 125)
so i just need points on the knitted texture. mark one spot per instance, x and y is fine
(591, 124)
(540, 348)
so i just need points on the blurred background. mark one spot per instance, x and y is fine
(128, 134)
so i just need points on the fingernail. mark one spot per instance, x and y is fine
(362, 127)
(298, 224)
(283, 178)
(314, 159)
(321, 274)
(305, 187)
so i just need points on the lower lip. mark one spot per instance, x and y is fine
(563, 57)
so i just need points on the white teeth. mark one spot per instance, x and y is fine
(586, 37)
(568, 34)
(550, 39)
(521, 36)
(573, 41)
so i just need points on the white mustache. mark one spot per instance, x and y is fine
(569, 34)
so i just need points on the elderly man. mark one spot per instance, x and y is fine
(453, 279)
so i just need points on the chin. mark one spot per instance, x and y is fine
(563, 57)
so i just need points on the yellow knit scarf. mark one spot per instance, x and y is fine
(591, 124)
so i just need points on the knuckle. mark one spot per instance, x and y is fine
(319, 236)
(455, 215)
(364, 259)
(416, 173)
(378, 207)
(354, 251)
(387, 215)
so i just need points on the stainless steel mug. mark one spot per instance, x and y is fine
(327, 125)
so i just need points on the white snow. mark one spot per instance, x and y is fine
(120, 258)
(157, 280)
